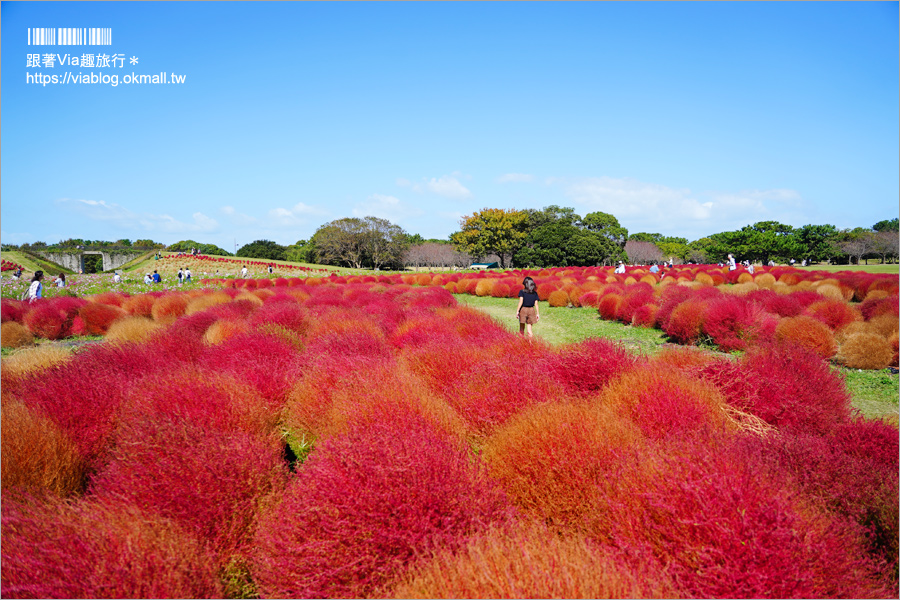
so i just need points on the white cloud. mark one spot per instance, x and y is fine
(630, 198)
(447, 186)
(515, 178)
(652, 207)
(386, 207)
(108, 212)
(236, 217)
(299, 214)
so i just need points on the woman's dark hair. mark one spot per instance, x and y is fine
(528, 284)
(38, 275)
(62, 276)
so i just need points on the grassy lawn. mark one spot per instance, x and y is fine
(568, 325)
(870, 268)
(874, 393)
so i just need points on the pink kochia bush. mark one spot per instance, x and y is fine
(366, 505)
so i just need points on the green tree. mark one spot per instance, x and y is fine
(545, 246)
(887, 225)
(606, 225)
(301, 251)
(384, 242)
(340, 242)
(552, 214)
(589, 248)
(493, 231)
(415, 239)
(699, 251)
(817, 242)
(264, 249)
(186, 245)
(758, 242)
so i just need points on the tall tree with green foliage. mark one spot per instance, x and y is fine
(384, 242)
(887, 225)
(340, 242)
(301, 251)
(759, 242)
(816, 242)
(492, 231)
(368, 242)
(264, 249)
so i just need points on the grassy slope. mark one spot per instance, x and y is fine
(874, 393)
(32, 264)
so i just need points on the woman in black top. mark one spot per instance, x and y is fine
(527, 312)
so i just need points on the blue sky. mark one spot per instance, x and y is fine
(684, 119)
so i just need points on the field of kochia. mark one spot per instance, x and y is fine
(368, 437)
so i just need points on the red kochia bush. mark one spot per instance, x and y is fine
(530, 560)
(874, 307)
(83, 395)
(608, 306)
(12, 310)
(785, 385)
(834, 313)
(685, 323)
(88, 550)
(210, 482)
(851, 472)
(98, 316)
(645, 316)
(264, 361)
(722, 529)
(499, 385)
(52, 318)
(671, 297)
(366, 504)
(140, 305)
(563, 463)
(783, 305)
(636, 296)
(586, 367)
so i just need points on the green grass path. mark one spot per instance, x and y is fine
(874, 393)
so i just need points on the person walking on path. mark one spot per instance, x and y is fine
(187, 275)
(528, 312)
(732, 265)
(244, 272)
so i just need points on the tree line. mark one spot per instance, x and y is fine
(551, 237)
